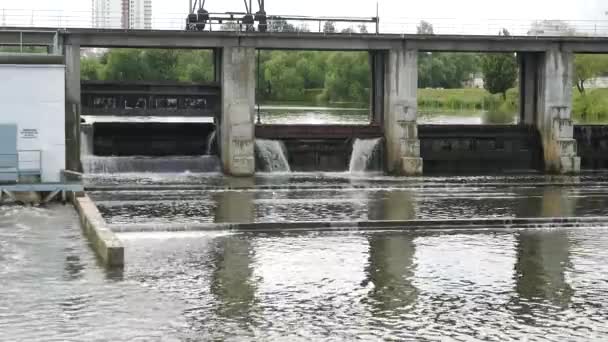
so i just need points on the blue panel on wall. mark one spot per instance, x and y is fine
(9, 161)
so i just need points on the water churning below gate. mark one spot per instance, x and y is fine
(272, 154)
(363, 152)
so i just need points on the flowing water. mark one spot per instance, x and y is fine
(211, 142)
(363, 152)
(272, 155)
(534, 285)
(95, 164)
(357, 116)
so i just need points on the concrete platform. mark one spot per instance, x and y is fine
(103, 241)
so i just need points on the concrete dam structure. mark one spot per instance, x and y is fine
(545, 138)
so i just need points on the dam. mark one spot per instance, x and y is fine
(201, 216)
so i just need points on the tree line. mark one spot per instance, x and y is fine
(322, 76)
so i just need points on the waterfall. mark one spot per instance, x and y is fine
(210, 141)
(363, 152)
(86, 140)
(272, 154)
(138, 164)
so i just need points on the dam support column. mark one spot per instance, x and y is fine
(554, 121)
(528, 87)
(72, 106)
(400, 112)
(238, 104)
(376, 63)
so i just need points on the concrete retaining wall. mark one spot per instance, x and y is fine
(386, 225)
(105, 243)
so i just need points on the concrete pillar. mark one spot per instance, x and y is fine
(400, 112)
(376, 65)
(238, 104)
(72, 106)
(528, 87)
(554, 121)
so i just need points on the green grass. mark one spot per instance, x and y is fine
(590, 108)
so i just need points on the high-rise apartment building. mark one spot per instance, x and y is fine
(131, 14)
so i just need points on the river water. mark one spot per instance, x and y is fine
(541, 284)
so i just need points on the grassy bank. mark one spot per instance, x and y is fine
(592, 107)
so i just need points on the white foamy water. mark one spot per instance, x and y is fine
(363, 152)
(135, 164)
(272, 152)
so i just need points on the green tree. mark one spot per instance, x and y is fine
(329, 27)
(425, 28)
(347, 77)
(588, 66)
(195, 66)
(280, 25)
(160, 64)
(280, 71)
(499, 72)
(90, 69)
(125, 64)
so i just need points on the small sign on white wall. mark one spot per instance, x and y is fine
(28, 133)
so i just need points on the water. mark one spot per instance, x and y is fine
(353, 116)
(363, 152)
(211, 142)
(544, 284)
(533, 285)
(105, 165)
(272, 155)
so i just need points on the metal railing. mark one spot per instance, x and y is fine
(30, 164)
(232, 21)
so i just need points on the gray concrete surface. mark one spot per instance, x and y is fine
(103, 241)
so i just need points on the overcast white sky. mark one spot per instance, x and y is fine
(390, 10)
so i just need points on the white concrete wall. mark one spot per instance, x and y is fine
(33, 97)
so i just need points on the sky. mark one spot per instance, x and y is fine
(392, 12)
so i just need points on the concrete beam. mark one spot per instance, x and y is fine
(238, 103)
(400, 112)
(72, 107)
(301, 40)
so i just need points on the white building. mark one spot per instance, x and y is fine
(140, 14)
(107, 13)
(132, 14)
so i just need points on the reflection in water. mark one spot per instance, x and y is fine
(234, 207)
(398, 205)
(557, 203)
(231, 279)
(541, 285)
(391, 270)
(542, 259)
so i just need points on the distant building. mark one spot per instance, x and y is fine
(108, 13)
(125, 14)
(474, 81)
(598, 82)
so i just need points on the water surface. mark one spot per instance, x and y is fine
(534, 285)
